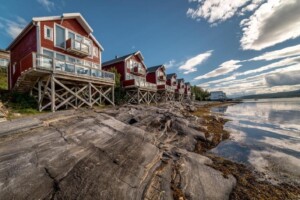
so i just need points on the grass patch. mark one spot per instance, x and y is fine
(3, 79)
(18, 104)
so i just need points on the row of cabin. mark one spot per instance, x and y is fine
(135, 75)
(58, 60)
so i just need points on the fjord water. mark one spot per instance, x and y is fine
(265, 134)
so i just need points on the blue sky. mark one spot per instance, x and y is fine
(239, 46)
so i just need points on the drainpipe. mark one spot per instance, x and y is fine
(38, 36)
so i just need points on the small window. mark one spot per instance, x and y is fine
(48, 33)
(71, 35)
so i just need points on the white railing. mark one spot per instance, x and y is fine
(78, 45)
(169, 88)
(141, 81)
(48, 63)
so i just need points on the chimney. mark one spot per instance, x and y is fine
(116, 57)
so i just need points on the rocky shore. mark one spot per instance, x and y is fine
(128, 152)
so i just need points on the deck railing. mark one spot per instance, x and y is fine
(40, 61)
(78, 46)
(141, 82)
(169, 88)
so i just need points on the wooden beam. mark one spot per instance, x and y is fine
(53, 94)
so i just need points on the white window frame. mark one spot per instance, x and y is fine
(66, 32)
(45, 33)
(68, 56)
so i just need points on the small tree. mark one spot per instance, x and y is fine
(118, 90)
(199, 93)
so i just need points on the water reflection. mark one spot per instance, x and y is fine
(266, 135)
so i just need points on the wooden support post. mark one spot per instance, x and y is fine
(90, 93)
(52, 94)
(113, 94)
(40, 95)
(138, 95)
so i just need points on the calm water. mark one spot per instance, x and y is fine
(265, 134)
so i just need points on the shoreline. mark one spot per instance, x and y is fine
(250, 183)
(170, 140)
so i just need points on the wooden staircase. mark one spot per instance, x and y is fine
(27, 81)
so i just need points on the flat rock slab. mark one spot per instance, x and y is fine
(89, 157)
(101, 155)
(8, 127)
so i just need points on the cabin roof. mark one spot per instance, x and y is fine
(123, 58)
(76, 16)
(169, 76)
(181, 79)
(155, 68)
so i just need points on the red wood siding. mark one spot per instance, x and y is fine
(74, 26)
(120, 68)
(27, 45)
(151, 77)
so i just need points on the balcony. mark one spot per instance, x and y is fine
(77, 48)
(138, 70)
(170, 88)
(50, 64)
(180, 91)
(137, 81)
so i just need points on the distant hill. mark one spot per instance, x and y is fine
(289, 94)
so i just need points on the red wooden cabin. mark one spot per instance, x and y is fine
(157, 75)
(61, 46)
(172, 80)
(133, 72)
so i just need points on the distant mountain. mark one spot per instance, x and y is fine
(289, 94)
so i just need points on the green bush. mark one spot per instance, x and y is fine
(119, 93)
(200, 94)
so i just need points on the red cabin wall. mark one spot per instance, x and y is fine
(74, 26)
(151, 77)
(24, 47)
(137, 59)
(120, 68)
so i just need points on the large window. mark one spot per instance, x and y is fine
(60, 34)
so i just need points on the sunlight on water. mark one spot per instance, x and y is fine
(266, 135)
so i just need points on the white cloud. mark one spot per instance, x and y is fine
(273, 22)
(170, 64)
(285, 78)
(258, 84)
(190, 65)
(49, 5)
(281, 63)
(216, 11)
(282, 53)
(229, 78)
(252, 6)
(13, 28)
(224, 68)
